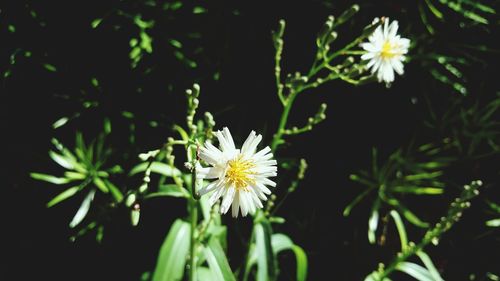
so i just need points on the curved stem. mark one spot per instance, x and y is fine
(278, 137)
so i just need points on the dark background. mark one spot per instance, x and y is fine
(235, 42)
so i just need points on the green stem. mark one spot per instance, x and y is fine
(193, 217)
(277, 139)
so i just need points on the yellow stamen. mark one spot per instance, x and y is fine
(239, 173)
(388, 51)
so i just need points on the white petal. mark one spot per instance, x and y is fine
(236, 205)
(209, 187)
(229, 138)
(386, 28)
(209, 172)
(228, 199)
(388, 73)
(255, 199)
(369, 47)
(217, 194)
(263, 188)
(398, 66)
(368, 56)
(250, 144)
(393, 29)
(243, 204)
(267, 181)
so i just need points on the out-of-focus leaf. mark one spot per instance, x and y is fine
(100, 184)
(373, 222)
(417, 190)
(49, 178)
(205, 274)
(411, 217)
(83, 210)
(217, 261)
(156, 167)
(60, 122)
(135, 215)
(430, 266)
(266, 268)
(171, 190)
(281, 242)
(50, 67)
(354, 202)
(414, 270)
(173, 253)
(401, 229)
(74, 175)
(63, 196)
(63, 161)
(493, 223)
(115, 191)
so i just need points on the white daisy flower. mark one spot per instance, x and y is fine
(241, 176)
(386, 51)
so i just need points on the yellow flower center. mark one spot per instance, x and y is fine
(388, 51)
(239, 173)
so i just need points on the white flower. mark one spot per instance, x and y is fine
(386, 51)
(241, 176)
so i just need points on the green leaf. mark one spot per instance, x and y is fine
(60, 122)
(411, 217)
(100, 184)
(50, 67)
(156, 167)
(63, 196)
(182, 132)
(281, 242)
(171, 190)
(430, 266)
(83, 210)
(373, 222)
(417, 190)
(493, 223)
(74, 175)
(205, 274)
(217, 261)
(173, 253)
(95, 23)
(63, 161)
(135, 215)
(49, 178)
(115, 191)
(266, 268)
(347, 210)
(401, 229)
(414, 270)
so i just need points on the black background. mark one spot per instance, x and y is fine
(236, 43)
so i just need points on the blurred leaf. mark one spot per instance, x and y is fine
(411, 217)
(205, 274)
(266, 268)
(217, 261)
(415, 271)
(63, 161)
(83, 210)
(171, 190)
(373, 222)
(430, 266)
(100, 184)
(63, 196)
(199, 10)
(49, 178)
(156, 167)
(493, 223)
(50, 67)
(95, 23)
(401, 229)
(61, 122)
(135, 215)
(173, 253)
(417, 190)
(115, 191)
(281, 242)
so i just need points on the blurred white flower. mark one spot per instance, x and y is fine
(386, 51)
(241, 176)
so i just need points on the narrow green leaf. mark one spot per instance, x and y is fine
(83, 210)
(171, 190)
(493, 223)
(173, 253)
(281, 242)
(63, 161)
(401, 229)
(63, 196)
(417, 190)
(115, 191)
(414, 270)
(74, 175)
(100, 184)
(430, 266)
(373, 222)
(266, 269)
(50, 67)
(217, 261)
(95, 23)
(205, 274)
(411, 217)
(49, 178)
(61, 122)
(156, 167)
(347, 210)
